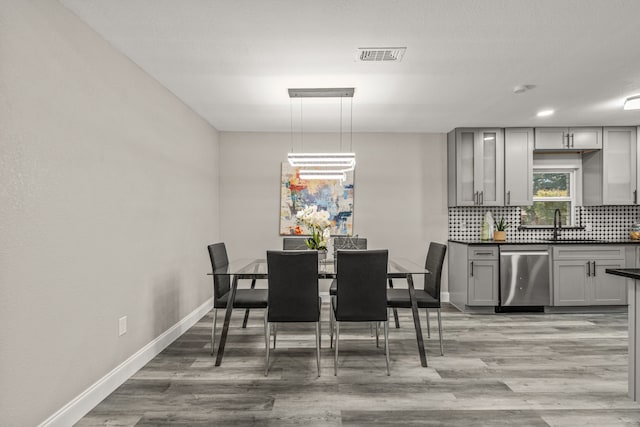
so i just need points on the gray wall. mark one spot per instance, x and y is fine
(108, 200)
(400, 189)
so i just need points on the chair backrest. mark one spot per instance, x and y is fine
(362, 285)
(435, 259)
(293, 286)
(219, 258)
(294, 243)
(345, 242)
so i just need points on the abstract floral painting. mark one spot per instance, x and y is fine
(336, 197)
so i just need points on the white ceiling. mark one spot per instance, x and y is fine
(232, 61)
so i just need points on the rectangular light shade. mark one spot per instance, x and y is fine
(343, 161)
(322, 174)
(632, 103)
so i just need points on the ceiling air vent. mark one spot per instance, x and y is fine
(378, 54)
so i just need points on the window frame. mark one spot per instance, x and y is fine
(572, 198)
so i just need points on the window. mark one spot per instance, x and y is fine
(552, 189)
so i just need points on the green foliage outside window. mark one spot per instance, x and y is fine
(554, 186)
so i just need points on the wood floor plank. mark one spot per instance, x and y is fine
(498, 370)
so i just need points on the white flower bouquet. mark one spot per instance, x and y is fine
(318, 224)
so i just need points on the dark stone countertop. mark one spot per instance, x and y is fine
(547, 242)
(632, 273)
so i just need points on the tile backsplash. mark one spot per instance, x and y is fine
(601, 222)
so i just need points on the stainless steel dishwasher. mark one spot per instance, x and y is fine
(525, 278)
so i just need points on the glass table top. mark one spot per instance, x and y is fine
(257, 268)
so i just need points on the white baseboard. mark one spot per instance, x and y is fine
(88, 399)
(444, 296)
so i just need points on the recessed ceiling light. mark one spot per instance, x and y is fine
(632, 103)
(545, 113)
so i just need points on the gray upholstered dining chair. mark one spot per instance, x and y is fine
(245, 298)
(342, 243)
(293, 293)
(294, 243)
(361, 293)
(429, 297)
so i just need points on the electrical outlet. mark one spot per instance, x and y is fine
(122, 325)
(463, 226)
(588, 228)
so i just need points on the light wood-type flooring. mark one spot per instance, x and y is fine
(498, 370)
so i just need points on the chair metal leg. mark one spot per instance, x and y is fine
(213, 331)
(386, 344)
(275, 334)
(266, 344)
(371, 328)
(318, 346)
(395, 310)
(319, 322)
(335, 360)
(377, 334)
(440, 332)
(246, 312)
(426, 310)
(331, 322)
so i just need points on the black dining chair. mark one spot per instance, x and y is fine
(294, 243)
(245, 298)
(361, 293)
(341, 243)
(293, 293)
(429, 297)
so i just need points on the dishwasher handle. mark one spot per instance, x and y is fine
(511, 253)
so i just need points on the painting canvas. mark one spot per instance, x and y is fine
(334, 196)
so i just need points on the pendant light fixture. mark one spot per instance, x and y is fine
(323, 165)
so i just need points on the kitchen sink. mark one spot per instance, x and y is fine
(574, 241)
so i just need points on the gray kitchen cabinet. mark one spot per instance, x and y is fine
(484, 276)
(475, 167)
(570, 283)
(518, 166)
(610, 174)
(608, 289)
(578, 138)
(473, 276)
(579, 277)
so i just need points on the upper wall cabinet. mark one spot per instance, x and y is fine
(610, 175)
(475, 167)
(579, 138)
(518, 166)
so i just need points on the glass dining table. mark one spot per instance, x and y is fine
(398, 268)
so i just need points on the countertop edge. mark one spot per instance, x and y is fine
(541, 242)
(631, 273)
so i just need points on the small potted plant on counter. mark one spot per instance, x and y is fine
(500, 232)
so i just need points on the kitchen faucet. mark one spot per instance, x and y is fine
(557, 224)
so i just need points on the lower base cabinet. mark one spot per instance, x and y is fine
(579, 277)
(483, 282)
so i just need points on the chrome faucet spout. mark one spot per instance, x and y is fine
(557, 224)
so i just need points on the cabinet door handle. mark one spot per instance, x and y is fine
(471, 268)
(484, 253)
(594, 269)
(566, 137)
(588, 268)
(571, 140)
(482, 197)
(635, 197)
(509, 197)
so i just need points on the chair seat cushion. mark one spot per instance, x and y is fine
(245, 298)
(333, 289)
(399, 298)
